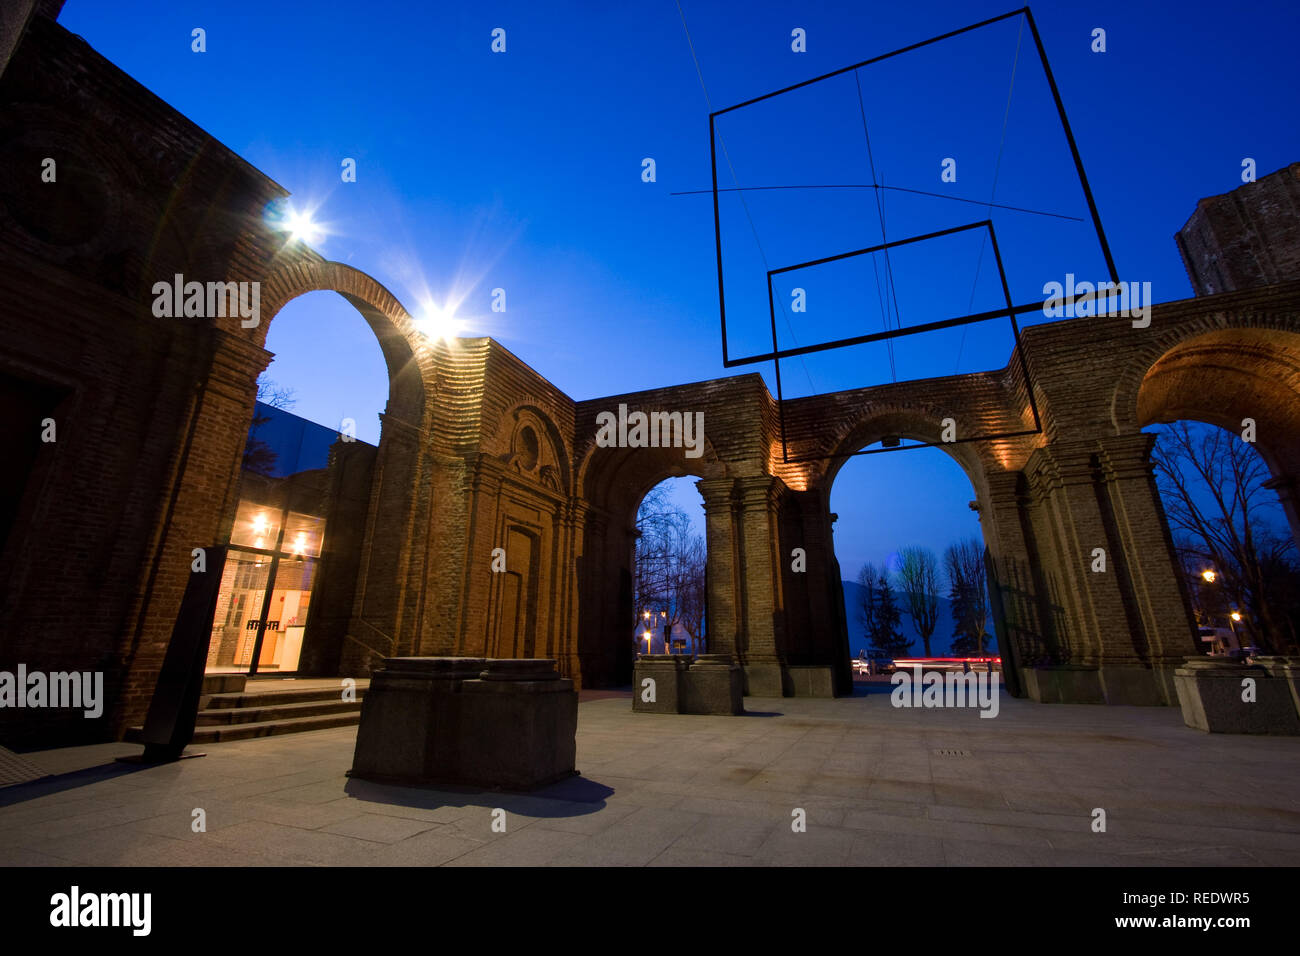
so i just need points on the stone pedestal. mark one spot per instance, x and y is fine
(664, 672)
(476, 722)
(714, 684)
(1210, 695)
(709, 684)
(1285, 669)
(519, 724)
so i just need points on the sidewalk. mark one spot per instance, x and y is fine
(879, 786)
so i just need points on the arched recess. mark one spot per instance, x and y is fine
(530, 443)
(1015, 585)
(383, 607)
(1223, 377)
(613, 481)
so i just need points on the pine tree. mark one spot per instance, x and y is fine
(888, 636)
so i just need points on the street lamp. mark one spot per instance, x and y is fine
(1233, 619)
(1211, 576)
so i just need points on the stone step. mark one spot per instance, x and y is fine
(257, 714)
(274, 728)
(246, 699)
(224, 683)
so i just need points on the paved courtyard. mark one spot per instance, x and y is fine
(879, 786)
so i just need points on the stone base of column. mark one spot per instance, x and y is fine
(765, 678)
(1064, 684)
(1138, 685)
(1211, 693)
(657, 683)
(816, 680)
(710, 684)
(1163, 673)
(714, 684)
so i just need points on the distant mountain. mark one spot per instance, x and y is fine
(940, 640)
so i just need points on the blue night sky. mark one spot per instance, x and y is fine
(523, 171)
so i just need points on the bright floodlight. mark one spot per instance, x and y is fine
(1209, 576)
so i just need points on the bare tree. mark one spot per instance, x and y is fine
(918, 579)
(1212, 486)
(659, 526)
(691, 595)
(669, 567)
(274, 394)
(968, 591)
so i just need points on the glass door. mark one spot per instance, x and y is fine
(266, 591)
(239, 612)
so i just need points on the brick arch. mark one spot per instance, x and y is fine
(907, 420)
(613, 481)
(603, 473)
(1241, 334)
(1224, 375)
(412, 377)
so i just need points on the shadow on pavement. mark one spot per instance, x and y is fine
(576, 796)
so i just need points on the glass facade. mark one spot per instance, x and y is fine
(272, 571)
(266, 595)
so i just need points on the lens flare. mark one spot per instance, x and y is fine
(302, 228)
(437, 323)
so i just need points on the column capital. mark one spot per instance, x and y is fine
(576, 508)
(1003, 486)
(1061, 463)
(1126, 456)
(236, 361)
(716, 492)
(398, 428)
(485, 472)
(759, 489)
